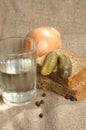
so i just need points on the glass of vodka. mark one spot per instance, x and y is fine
(18, 70)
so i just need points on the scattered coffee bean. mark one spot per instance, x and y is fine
(41, 101)
(37, 103)
(43, 94)
(1, 100)
(41, 115)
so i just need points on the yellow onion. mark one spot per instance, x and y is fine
(47, 39)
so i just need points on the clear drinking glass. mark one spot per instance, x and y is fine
(18, 70)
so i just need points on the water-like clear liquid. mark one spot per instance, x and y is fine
(18, 80)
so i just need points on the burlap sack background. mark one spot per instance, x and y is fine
(19, 17)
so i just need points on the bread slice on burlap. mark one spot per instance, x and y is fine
(74, 87)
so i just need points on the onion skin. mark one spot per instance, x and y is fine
(47, 39)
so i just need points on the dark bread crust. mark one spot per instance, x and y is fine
(73, 88)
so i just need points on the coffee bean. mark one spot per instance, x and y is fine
(37, 103)
(41, 115)
(43, 94)
(41, 101)
(1, 100)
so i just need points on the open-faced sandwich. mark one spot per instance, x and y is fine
(58, 70)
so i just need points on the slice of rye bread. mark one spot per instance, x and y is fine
(74, 87)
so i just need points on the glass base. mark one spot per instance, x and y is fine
(18, 99)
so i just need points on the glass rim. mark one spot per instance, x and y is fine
(21, 53)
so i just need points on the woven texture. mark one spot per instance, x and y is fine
(19, 17)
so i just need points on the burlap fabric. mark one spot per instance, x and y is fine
(19, 17)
